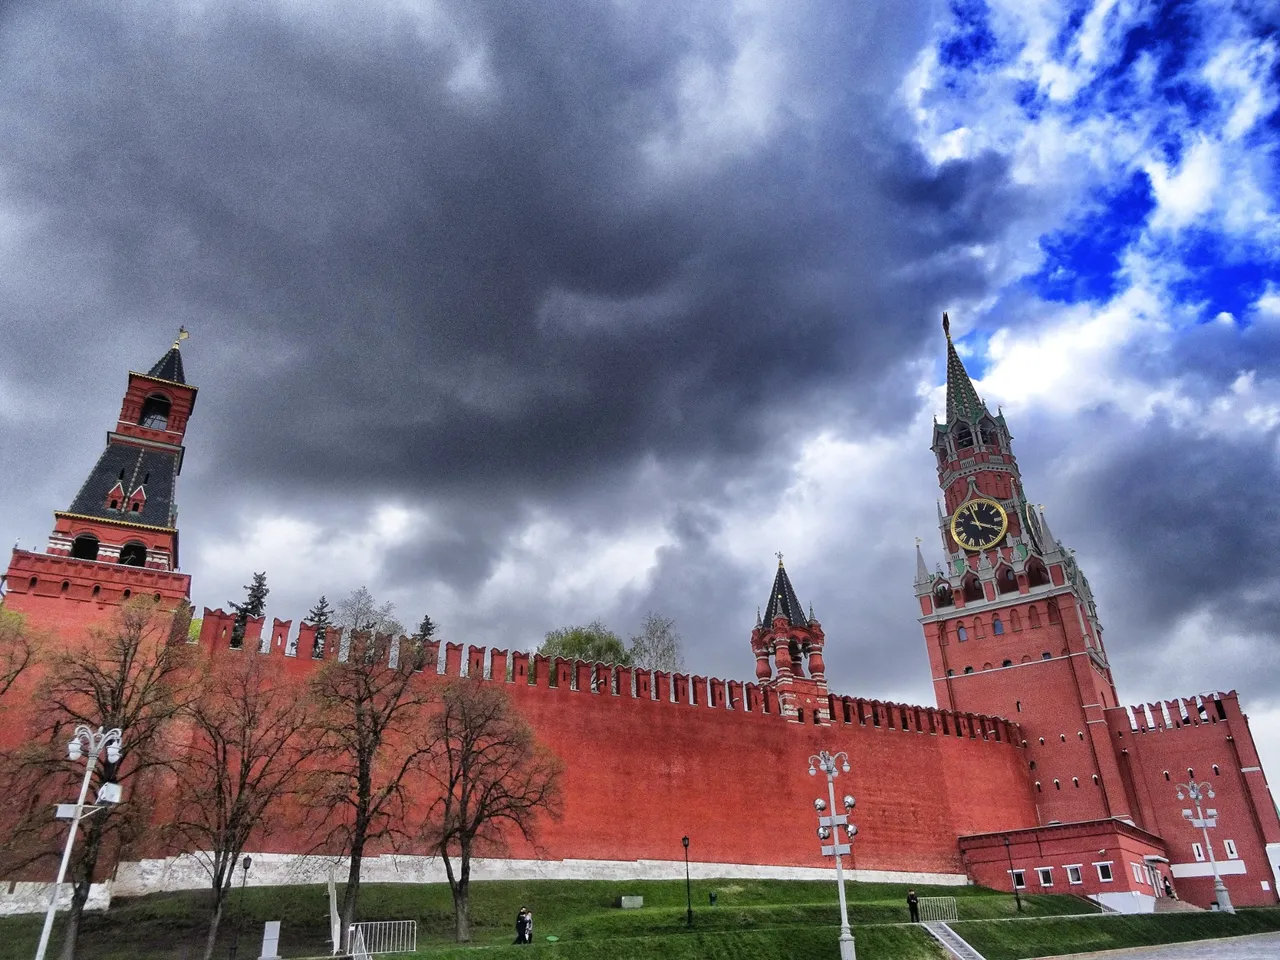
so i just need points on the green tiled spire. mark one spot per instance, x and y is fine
(963, 401)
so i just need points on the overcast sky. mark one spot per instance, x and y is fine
(528, 314)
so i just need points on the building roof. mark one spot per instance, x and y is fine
(169, 367)
(783, 602)
(963, 402)
(131, 467)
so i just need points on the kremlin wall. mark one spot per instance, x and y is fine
(1029, 772)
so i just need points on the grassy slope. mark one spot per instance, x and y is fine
(1052, 936)
(752, 918)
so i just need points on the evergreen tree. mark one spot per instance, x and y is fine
(255, 605)
(426, 629)
(321, 617)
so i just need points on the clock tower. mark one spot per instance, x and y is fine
(1008, 616)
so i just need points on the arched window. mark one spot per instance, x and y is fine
(1166, 774)
(1037, 575)
(1033, 615)
(963, 436)
(997, 626)
(85, 547)
(962, 634)
(1015, 621)
(1037, 786)
(942, 596)
(155, 412)
(1057, 785)
(973, 589)
(951, 673)
(1075, 782)
(1096, 781)
(66, 585)
(97, 589)
(1191, 774)
(1007, 663)
(987, 431)
(968, 669)
(1006, 580)
(1215, 770)
(1046, 655)
(133, 554)
(1054, 615)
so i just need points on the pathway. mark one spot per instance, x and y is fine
(1262, 946)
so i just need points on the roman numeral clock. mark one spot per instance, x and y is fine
(979, 524)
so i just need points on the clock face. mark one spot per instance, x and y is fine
(979, 524)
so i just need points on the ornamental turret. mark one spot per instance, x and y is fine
(788, 648)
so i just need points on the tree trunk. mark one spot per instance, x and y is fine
(462, 912)
(351, 894)
(71, 930)
(214, 920)
(80, 893)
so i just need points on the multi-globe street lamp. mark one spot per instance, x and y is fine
(1204, 819)
(828, 829)
(87, 743)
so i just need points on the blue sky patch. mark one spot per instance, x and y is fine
(1220, 278)
(971, 40)
(1082, 261)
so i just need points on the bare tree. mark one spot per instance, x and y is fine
(492, 778)
(19, 648)
(246, 754)
(658, 645)
(371, 731)
(132, 675)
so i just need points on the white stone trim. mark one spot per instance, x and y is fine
(185, 872)
(31, 897)
(1225, 867)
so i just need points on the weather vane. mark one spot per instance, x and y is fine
(182, 335)
(779, 556)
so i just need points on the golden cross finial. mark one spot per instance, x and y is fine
(918, 541)
(779, 556)
(182, 335)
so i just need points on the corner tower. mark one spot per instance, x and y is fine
(1009, 619)
(788, 650)
(119, 535)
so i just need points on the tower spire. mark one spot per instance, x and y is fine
(783, 601)
(963, 401)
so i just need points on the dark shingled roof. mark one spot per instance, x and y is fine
(963, 401)
(169, 367)
(153, 470)
(783, 602)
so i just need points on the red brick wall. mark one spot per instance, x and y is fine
(1186, 739)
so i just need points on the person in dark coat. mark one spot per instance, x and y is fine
(524, 926)
(913, 904)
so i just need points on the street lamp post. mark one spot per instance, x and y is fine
(688, 888)
(1013, 881)
(1204, 819)
(90, 744)
(828, 829)
(235, 932)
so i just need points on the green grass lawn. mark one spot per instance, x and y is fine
(1052, 936)
(764, 919)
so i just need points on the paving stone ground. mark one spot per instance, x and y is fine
(1265, 946)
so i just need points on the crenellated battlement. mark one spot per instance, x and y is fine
(1179, 712)
(534, 671)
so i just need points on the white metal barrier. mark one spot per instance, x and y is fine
(383, 936)
(938, 908)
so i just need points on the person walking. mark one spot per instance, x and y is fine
(913, 905)
(523, 926)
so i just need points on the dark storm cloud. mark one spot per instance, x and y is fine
(495, 286)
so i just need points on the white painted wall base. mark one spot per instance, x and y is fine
(273, 869)
(1126, 901)
(27, 897)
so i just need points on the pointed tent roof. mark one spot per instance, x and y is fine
(169, 367)
(963, 402)
(783, 601)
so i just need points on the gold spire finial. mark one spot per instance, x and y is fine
(182, 335)
(946, 325)
(779, 556)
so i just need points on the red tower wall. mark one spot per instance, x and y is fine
(1206, 739)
